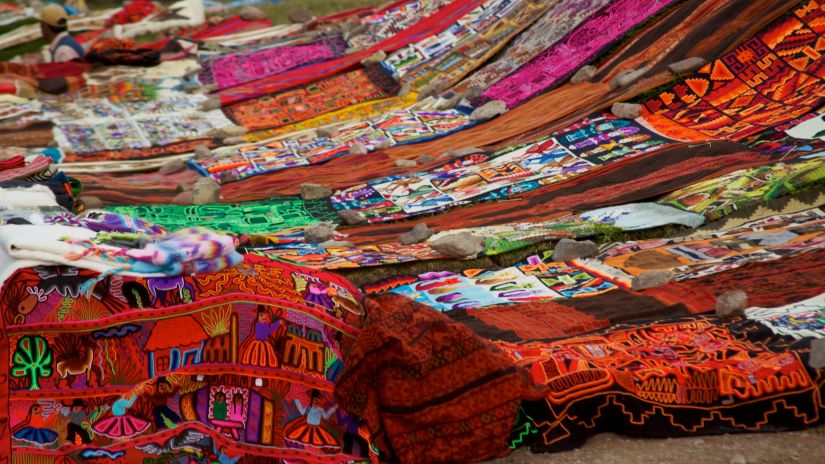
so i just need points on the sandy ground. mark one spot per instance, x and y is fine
(806, 447)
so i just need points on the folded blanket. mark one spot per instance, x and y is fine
(429, 389)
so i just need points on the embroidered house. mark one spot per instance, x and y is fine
(174, 343)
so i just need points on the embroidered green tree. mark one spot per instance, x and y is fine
(33, 358)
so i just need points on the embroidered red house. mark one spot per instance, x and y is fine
(174, 343)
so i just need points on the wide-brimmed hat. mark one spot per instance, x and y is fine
(53, 15)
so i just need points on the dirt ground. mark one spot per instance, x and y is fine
(807, 447)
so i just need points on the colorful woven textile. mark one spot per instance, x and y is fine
(596, 140)
(323, 96)
(422, 29)
(240, 363)
(576, 49)
(444, 372)
(691, 259)
(90, 136)
(715, 198)
(561, 18)
(454, 53)
(30, 166)
(397, 127)
(242, 67)
(242, 218)
(385, 24)
(650, 379)
(532, 280)
(351, 113)
(772, 78)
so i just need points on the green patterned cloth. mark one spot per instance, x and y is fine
(254, 217)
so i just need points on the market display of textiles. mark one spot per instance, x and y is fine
(419, 231)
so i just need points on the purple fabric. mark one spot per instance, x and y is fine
(573, 51)
(240, 68)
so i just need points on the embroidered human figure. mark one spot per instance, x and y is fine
(307, 428)
(34, 430)
(219, 406)
(121, 425)
(257, 350)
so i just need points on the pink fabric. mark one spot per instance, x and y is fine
(240, 68)
(579, 47)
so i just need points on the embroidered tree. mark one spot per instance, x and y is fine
(33, 358)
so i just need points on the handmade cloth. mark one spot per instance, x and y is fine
(674, 389)
(716, 198)
(576, 49)
(464, 395)
(351, 113)
(242, 67)
(562, 17)
(789, 235)
(161, 366)
(394, 128)
(533, 280)
(305, 102)
(594, 141)
(385, 24)
(762, 83)
(133, 125)
(424, 28)
(240, 218)
(27, 167)
(454, 53)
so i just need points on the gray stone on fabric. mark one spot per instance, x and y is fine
(250, 13)
(172, 166)
(299, 16)
(335, 244)
(358, 148)
(386, 143)
(183, 198)
(351, 217)
(229, 131)
(473, 91)
(817, 356)
(351, 50)
(403, 163)
(202, 152)
(459, 245)
(489, 110)
(319, 233)
(91, 201)
(628, 77)
(328, 132)
(213, 103)
(567, 249)
(236, 140)
(311, 191)
(432, 89)
(449, 102)
(651, 279)
(206, 191)
(424, 159)
(459, 152)
(375, 58)
(417, 234)
(626, 110)
(687, 65)
(731, 303)
(584, 74)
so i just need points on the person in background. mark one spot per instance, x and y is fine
(54, 23)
